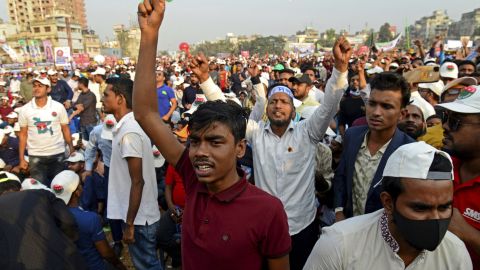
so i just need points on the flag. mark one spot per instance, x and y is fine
(388, 46)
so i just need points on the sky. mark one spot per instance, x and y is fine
(194, 20)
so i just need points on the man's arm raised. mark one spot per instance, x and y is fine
(145, 109)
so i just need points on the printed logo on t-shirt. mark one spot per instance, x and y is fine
(43, 126)
(164, 92)
(472, 214)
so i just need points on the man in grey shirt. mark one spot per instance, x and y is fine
(85, 107)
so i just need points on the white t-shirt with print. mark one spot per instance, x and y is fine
(45, 137)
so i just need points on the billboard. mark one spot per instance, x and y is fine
(62, 56)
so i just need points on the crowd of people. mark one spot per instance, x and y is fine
(337, 161)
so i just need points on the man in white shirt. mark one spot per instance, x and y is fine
(132, 185)
(410, 232)
(44, 131)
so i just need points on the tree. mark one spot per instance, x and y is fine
(328, 38)
(264, 45)
(384, 34)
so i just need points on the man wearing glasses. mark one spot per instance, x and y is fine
(461, 124)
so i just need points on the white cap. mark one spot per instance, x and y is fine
(3, 83)
(76, 157)
(30, 183)
(414, 160)
(435, 87)
(7, 130)
(4, 97)
(108, 124)
(99, 71)
(200, 99)
(465, 81)
(375, 70)
(339, 139)
(394, 65)
(76, 139)
(43, 70)
(77, 73)
(51, 72)
(158, 159)
(12, 115)
(2, 164)
(468, 101)
(43, 81)
(449, 70)
(178, 82)
(6, 176)
(64, 184)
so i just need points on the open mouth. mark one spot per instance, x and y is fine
(203, 170)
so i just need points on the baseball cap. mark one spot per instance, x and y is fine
(466, 81)
(468, 101)
(414, 160)
(7, 130)
(375, 70)
(43, 81)
(108, 124)
(2, 164)
(278, 67)
(449, 70)
(300, 78)
(30, 183)
(12, 115)
(99, 71)
(77, 157)
(435, 87)
(64, 184)
(51, 72)
(4, 97)
(158, 159)
(76, 139)
(200, 99)
(6, 176)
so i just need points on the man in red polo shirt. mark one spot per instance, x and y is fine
(227, 223)
(461, 124)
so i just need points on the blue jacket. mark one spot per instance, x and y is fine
(343, 180)
(61, 92)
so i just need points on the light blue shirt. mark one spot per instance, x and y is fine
(97, 143)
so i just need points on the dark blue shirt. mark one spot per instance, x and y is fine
(164, 95)
(9, 152)
(90, 231)
(61, 92)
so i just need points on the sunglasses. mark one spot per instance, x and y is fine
(453, 121)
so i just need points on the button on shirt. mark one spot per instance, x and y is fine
(365, 242)
(45, 137)
(284, 166)
(129, 140)
(234, 229)
(365, 167)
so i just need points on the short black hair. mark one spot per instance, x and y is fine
(10, 185)
(287, 70)
(467, 62)
(309, 68)
(434, 116)
(228, 113)
(124, 87)
(394, 186)
(392, 81)
(84, 81)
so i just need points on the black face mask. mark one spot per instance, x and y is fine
(421, 234)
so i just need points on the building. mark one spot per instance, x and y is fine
(427, 28)
(23, 12)
(467, 25)
(309, 35)
(128, 40)
(91, 43)
(6, 29)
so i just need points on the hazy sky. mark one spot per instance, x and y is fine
(196, 20)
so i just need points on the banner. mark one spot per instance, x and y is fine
(302, 49)
(245, 54)
(24, 49)
(81, 59)
(47, 50)
(62, 56)
(34, 48)
(11, 52)
(388, 46)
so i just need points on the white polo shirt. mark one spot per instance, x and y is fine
(365, 242)
(45, 137)
(129, 140)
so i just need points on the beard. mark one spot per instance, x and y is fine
(280, 123)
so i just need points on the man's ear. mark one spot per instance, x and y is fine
(403, 114)
(387, 202)
(241, 148)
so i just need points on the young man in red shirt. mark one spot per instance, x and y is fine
(461, 124)
(227, 223)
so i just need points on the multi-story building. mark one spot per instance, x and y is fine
(427, 28)
(309, 35)
(23, 12)
(91, 42)
(468, 23)
(128, 40)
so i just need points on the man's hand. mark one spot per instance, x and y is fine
(199, 67)
(67, 104)
(418, 43)
(342, 52)
(129, 233)
(85, 174)
(166, 118)
(339, 216)
(150, 15)
(23, 164)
